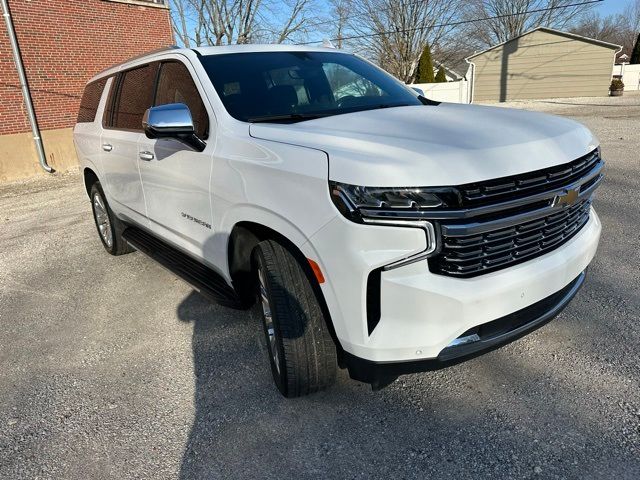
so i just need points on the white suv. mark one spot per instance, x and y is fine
(373, 229)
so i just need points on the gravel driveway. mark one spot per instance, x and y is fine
(113, 368)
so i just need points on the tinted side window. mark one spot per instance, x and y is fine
(135, 96)
(90, 100)
(175, 85)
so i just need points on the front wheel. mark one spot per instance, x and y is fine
(301, 350)
(109, 227)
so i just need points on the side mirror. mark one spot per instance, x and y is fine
(419, 91)
(172, 121)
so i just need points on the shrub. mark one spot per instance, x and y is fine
(424, 73)
(635, 55)
(616, 84)
(441, 77)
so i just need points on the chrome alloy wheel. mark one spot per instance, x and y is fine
(102, 220)
(268, 321)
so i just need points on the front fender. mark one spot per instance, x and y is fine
(280, 186)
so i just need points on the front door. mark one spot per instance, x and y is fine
(175, 177)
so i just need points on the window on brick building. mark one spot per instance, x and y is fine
(90, 100)
(175, 85)
(134, 97)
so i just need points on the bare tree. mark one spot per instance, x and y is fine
(340, 11)
(507, 19)
(285, 20)
(227, 21)
(621, 29)
(629, 25)
(593, 25)
(180, 12)
(224, 22)
(394, 32)
(190, 20)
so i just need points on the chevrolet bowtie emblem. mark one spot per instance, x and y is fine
(566, 198)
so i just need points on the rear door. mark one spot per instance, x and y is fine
(88, 129)
(130, 97)
(175, 177)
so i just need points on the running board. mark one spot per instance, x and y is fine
(202, 278)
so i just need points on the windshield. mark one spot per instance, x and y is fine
(296, 86)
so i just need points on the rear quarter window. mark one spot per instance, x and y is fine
(90, 100)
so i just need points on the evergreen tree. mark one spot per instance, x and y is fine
(424, 73)
(635, 55)
(441, 77)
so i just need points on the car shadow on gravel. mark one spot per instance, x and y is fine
(473, 420)
(244, 428)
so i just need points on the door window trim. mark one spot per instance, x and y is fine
(115, 98)
(115, 89)
(110, 103)
(195, 84)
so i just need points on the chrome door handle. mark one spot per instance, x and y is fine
(146, 156)
(107, 147)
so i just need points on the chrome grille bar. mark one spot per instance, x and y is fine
(472, 256)
(585, 185)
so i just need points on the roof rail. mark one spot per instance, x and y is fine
(157, 50)
(142, 55)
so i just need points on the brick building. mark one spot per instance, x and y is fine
(63, 44)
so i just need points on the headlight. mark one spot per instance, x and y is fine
(379, 197)
(356, 202)
(393, 206)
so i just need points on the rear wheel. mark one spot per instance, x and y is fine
(109, 227)
(301, 350)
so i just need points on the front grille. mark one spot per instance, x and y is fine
(486, 226)
(510, 220)
(517, 186)
(470, 255)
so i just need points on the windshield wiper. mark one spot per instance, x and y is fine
(393, 105)
(428, 101)
(288, 117)
(423, 100)
(365, 108)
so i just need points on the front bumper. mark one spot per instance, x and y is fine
(487, 337)
(422, 313)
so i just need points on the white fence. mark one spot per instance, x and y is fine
(458, 92)
(455, 92)
(630, 76)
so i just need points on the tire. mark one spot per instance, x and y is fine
(109, 227)
(301, 351)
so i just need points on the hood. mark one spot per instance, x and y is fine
(447, 144)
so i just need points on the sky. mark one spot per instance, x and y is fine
(611, 6)
(606, 7)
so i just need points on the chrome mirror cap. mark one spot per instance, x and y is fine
(168, 121)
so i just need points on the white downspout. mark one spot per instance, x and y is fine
(472, 80)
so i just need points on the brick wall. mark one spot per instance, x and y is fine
(64, 43)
